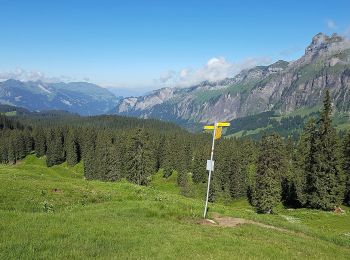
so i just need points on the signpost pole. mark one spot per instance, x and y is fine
(210, 170)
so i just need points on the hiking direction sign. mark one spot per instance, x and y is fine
(217, 131)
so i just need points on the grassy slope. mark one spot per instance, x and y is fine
(55, 213)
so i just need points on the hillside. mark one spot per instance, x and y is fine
(255, 126)
(55, 213)
(77, 97)
(282, 87)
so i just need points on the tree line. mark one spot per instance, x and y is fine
(312, 172)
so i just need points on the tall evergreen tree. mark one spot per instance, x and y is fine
(222, 172)
(167, 163)
(3, 147)
(271, 164)
(160, 153)
(102, 154)
(305, 163)
(28, 141)
(86, 140)
(237, 180)
(199, 173)
(55, 147)
(72, 148)
(325, 177)
(140, 159)
(39, 142)
(186, 156)
(114, 162)
(90, 168)
(346, 166)
(11, 155)
(294, 185)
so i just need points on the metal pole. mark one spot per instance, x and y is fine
(209, 177)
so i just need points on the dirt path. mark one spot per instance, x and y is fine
(233, 222)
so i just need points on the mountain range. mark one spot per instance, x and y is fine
(77, 97)
(283, 87)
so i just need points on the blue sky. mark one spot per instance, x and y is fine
(147, 44)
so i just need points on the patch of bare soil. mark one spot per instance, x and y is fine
(207, 222)
(223, 221)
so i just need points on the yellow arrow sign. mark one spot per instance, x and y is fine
(223, 124)
(220, 124)
(209, 127)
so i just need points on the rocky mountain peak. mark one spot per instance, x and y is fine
(322, 43)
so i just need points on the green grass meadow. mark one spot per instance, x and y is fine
(53, 213)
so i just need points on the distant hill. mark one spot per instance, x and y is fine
(77, 97)
(12, 110)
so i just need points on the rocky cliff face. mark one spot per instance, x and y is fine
(282, 86)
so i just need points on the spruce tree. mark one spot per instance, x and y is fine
(90, 168)
(72, 148)
(19, 143)
(271, 164)
(39, 142)
(11, 156)
(103, 142)
(325, 178)
(140, 159)
(237, 180)
(160, 152)
(29, 141)
(222, 172)
(304, 162)
(55, 152)
(114, 162)
(167, 163)
(293, 179)
(199, 173)
(3, 148)
(87, 139)
(346, 166)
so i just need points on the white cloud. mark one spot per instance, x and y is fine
(217, 68)
(166, 76)
(33, 75)
(331, 24)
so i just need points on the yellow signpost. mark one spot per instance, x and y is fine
(217, 127)
(218, 133)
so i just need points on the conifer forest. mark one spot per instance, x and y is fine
(311, 171)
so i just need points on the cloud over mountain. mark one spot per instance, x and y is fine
(216, 68)
(33, 75)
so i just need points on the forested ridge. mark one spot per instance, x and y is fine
(312, 172)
